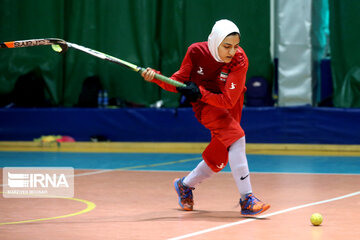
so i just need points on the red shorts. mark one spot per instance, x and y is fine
(225, 130)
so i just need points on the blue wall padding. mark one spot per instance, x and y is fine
(302, 125)
(262, 125)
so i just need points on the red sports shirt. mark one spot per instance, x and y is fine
(222, 85)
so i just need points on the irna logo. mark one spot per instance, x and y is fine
(40, 182)
(35, 180)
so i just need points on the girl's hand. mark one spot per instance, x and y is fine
(148, 74)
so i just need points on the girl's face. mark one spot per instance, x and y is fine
(228, 47)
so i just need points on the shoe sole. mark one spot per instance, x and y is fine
(266, 207)
(177, 190)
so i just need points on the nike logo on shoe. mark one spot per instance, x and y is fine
(242, 178)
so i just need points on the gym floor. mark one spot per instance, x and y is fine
(131, 196)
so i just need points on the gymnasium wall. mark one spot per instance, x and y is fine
(148, 33)
(345, 52)
(305, 125)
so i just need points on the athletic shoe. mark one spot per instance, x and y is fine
(186, 201)
(252, 206)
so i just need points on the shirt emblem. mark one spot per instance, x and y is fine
(232, 86)
(223, 76)
(221, 166)
(200, 71)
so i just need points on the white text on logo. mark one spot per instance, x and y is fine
(35, 180)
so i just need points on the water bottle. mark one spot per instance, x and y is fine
(105, 99)
(100, 99)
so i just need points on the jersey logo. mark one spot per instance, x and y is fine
(232, 86)
(221, 166)
(200, 71)
(223, 76)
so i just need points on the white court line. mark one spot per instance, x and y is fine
(93, 173)
(129, 168)
(97, 172)
(263, 216)
(116, 169)
(238, 222)
(83, 174)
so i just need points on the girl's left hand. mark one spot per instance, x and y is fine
(148, 74)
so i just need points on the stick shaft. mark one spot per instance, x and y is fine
(104, 56)
(131, 66)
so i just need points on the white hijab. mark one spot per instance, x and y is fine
(220, 30)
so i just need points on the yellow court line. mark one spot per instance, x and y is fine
(304, 153)
(178, 147)
(104, 147)
(90, 207)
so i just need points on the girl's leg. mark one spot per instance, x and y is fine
(239, 167)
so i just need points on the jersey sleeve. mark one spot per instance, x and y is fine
(233, 90)
(182, 75)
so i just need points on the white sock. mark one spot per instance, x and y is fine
(239, 167)
(196, 176)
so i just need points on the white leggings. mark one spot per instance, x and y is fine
(239, 169)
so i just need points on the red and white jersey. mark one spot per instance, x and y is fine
(222, 85)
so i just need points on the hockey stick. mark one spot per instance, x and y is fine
(63, 46)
